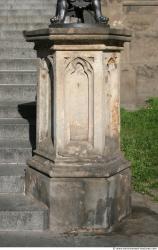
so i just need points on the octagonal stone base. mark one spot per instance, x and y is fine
(82, 203)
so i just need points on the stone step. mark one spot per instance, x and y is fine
(16, 128)
(12, 178)
(27, 12)
(21, 212)
(12, 53)
(15, 143)
(18, 77)
(18, 64)
(31, 19)
(17, 110)
(16, 44)
(11, 34)
(18, 93)
(15, 155)
(25, 2)
(22, 26)
(27, 6)
(16, 150)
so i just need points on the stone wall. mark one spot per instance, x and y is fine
(140, 62)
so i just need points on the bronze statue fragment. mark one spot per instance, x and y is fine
(85, 11)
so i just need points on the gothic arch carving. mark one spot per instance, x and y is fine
(72, 65)
(79, 93)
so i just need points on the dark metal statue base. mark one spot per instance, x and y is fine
(79, 25)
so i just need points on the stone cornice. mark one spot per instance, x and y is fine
(104, 168)
(96, 33)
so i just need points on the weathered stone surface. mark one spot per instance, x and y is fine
(138, 230)
(12, 179)
(143, 51)
(84, 56)
(70, 167)
(140, 16)
(76, 203)
(78, 170)
(18, 78)
(146, 81)
(18, 212)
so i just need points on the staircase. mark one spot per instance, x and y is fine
(18, 78)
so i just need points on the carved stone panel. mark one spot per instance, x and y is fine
(79, 91)
(80, 96)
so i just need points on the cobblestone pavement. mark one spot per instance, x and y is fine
(139, 230)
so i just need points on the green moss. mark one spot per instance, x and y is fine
(139, 141)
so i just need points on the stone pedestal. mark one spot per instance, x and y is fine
(78, 170)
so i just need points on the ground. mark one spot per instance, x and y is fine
(138, 230)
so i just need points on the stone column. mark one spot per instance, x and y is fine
(78, 170)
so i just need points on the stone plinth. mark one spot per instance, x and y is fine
(78, 170)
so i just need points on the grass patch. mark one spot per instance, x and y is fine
(139, 141)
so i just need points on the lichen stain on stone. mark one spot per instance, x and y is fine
(111, 188)
(112, 63)
(38, 189)
(100, 211)
(112, 211)
(90, 218)
(43, 76)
